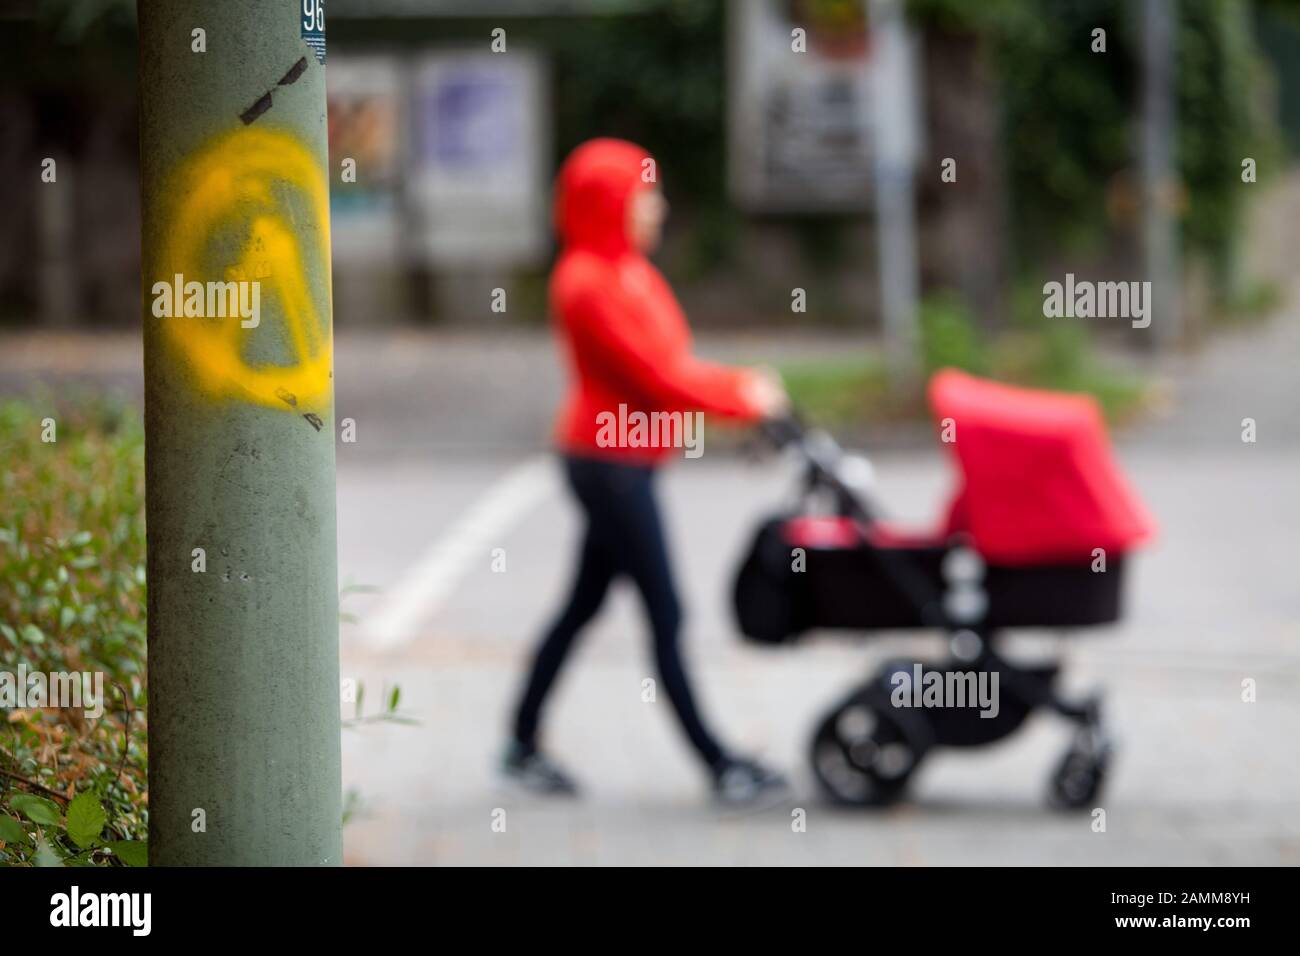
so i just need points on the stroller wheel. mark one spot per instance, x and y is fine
(1079, 777)
(862, 756)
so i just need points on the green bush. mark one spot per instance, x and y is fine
(949, 337)
(838, 391)
(1070, 117)
(1056, 354)
(72, 599)
(1037, 352)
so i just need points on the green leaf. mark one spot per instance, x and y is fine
(86, 818)
(45, 855)
(394, 698)
(131, 852)
(11, 831)
(32, 634)
(37, 809)
(67, 615)
(359, 589)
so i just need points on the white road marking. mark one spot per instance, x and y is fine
(463, 546)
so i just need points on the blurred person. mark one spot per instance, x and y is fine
(627, 344)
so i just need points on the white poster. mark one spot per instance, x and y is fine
(365, 144)
(479, 159)
(801, 120)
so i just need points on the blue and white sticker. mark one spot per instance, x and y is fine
(313, 27)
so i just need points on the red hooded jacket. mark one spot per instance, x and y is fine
(626, 338)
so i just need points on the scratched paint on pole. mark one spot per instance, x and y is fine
(234, 206)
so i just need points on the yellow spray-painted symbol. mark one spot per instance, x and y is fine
(236, 207)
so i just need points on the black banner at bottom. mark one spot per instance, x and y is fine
(334, 906)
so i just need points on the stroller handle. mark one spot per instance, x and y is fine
(782, 431)
(821, 456)
(818, 450)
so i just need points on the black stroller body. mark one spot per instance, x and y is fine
(833, 563)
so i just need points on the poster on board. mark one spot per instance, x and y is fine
(480, 159)
(802, 116)
(365, 144)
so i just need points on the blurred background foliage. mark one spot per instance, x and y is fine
(1034, 352)
(657, 75)
(1063, 146)
(1070, 130)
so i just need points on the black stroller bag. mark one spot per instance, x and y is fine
(784, 589)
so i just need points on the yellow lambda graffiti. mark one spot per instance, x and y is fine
(236, 207)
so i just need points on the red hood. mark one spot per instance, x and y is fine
(592, 192)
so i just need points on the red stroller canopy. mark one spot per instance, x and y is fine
(1039, 484)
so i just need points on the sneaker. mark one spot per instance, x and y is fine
(746, 783)
(534, 771)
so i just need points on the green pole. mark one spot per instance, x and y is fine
(244, 765)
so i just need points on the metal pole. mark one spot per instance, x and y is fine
(894, 103)
(244, 764)
(1159, 175)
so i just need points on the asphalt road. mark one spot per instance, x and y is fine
(1201, 777)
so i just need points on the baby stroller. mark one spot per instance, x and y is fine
(1036, 536)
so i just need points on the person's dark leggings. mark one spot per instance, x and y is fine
(624, 536)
